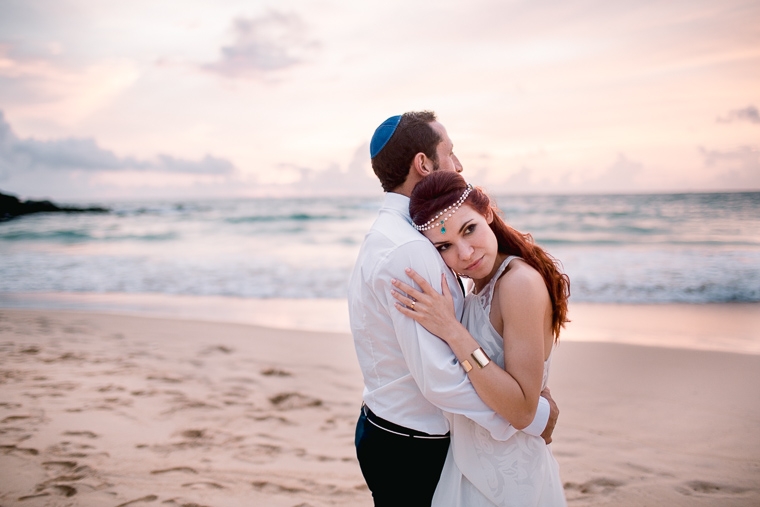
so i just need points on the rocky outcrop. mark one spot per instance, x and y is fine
(11, 207)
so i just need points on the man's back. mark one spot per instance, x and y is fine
(391, 390)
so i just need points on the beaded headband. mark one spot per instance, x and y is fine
(446, 213)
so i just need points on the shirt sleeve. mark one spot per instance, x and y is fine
(431, 362)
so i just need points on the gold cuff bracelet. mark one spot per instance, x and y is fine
(480, 357)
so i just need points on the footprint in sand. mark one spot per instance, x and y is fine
(275, 372)
(68, 449)
(601, 485)
(32, 497)
(188, 404)
(217, 349)
(259, 453)
(194, 433)
(59, 465)
(269, 487)
(13, 418)
(704, 488)
(70, 475)
(237, 396)
(187, 470)
(290, 401)
(144, 499)
(86, 434)
(151, 392)
(13, 429)
(169, 380)
(645, 470)
(110, 388)
(203, 485)
(8, 449)
(57, 489)
(66, 465)
(281, 420)
(182, 503)
(306, 486)
(68, 356)
(329, 424)
(65, 490)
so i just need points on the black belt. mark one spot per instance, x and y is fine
(396, 429)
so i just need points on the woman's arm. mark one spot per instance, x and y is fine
(522, 302)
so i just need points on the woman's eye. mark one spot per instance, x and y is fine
(470, 229)
(442, 248)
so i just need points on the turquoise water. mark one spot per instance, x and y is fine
(655, 248)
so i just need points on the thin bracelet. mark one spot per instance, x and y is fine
(480, 357)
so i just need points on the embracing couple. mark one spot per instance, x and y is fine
(456, 410)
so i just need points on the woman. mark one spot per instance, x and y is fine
(517, 307)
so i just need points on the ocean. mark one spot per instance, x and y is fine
(652, 248)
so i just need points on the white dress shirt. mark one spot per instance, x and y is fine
(410, 375)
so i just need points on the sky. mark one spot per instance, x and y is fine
(231, 98)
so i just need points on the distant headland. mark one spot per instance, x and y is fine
(12, 207)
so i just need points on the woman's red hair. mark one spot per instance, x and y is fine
(442, 189)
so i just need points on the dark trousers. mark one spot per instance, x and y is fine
(399, 470)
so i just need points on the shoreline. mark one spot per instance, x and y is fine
(728, 327)
(107, 409)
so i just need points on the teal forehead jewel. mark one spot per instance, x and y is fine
(444, 215)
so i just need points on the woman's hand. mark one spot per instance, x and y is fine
(435, 312)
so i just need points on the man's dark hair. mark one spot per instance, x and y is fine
(412, 136)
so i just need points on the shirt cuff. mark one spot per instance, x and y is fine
(542, 417)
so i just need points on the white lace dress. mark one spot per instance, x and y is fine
(481, 471)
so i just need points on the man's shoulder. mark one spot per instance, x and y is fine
(397, 233)
(391, 241)
(393, 231)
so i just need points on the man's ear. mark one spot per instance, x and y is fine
(422, 165)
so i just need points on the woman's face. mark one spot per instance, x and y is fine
(468, 245)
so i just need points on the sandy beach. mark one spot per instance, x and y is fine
(103, 409)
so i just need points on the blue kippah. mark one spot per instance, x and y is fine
(382, 134)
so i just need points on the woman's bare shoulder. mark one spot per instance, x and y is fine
(521, 281)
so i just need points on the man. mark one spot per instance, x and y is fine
(410, 376)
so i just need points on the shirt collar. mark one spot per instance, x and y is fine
(398, 203)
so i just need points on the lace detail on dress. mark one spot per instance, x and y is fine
(486, 294)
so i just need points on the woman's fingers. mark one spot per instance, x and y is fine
(424, 285)
(426, 288)
(405, 287)
(407, 311)
(403, 299)
(444, 286)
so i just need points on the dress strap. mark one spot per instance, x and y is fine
(486, 295)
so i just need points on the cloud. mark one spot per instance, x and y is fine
(749, 113)
(620, 175)
(744, 156)
(264, 44)
(739, 168)
(358, 179)
(75, 154)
